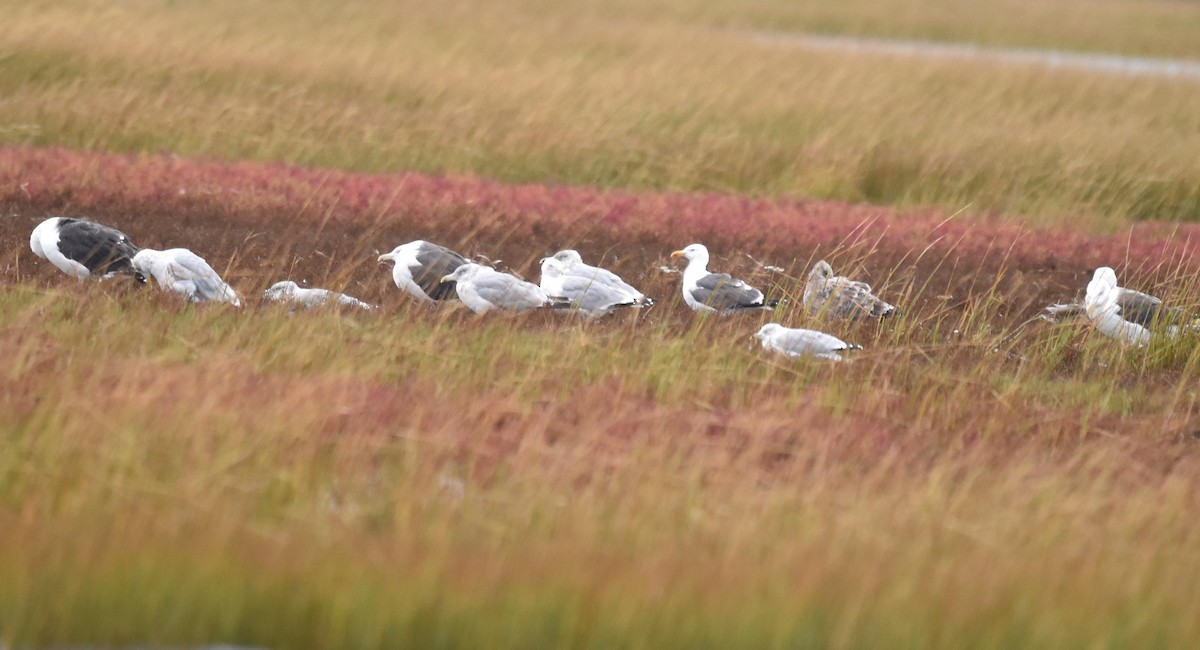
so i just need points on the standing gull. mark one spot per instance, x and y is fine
(181, 271)
(482, 289)
(716, 292)
(798, 342)
(420, 267)
(841, 297)
(1125, 314)
(587, 291)
(83, 249)
(288, 291)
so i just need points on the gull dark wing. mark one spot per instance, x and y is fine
(101, 249)
(1141, 308)
(433, 263)
(722, 292)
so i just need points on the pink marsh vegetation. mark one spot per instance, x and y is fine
(458, 208)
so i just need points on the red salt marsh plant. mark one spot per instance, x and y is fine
(176, 193)
(416, 477)
(619, 95)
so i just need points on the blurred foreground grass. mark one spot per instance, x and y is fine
(677, 95)
(423, 478)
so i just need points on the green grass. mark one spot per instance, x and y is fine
(679, 96)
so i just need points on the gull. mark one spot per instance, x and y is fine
(1125, 314)
(840, 296)
(716, 292)
(420, 267)
(592, 291)
(574, 267)
(83, 249)
(482, 289)
(800, 342)
(181, 271)
(288, 291)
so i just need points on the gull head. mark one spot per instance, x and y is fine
(693, 252)
(820, 271)
(568, 257)
(767, 331)
(1101, 290)
(281, 290)
(410, 247)
(552, 267)
(463, 272)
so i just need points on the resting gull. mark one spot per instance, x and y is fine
(83, 249)
(716, 292)
(288, 291)
(181, 271)
(841, 297)
(799, 342)
(574, 267)
(1125, 314)
(420, 267)
(586, 291)
(482, 289)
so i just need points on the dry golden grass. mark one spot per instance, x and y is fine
(613, 95)
(428, 478)
(174, 475)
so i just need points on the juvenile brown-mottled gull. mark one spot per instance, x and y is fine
(841, 297)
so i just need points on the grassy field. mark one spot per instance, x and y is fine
(681, 96)
(175, 475)
(428, 479)
(421, 477)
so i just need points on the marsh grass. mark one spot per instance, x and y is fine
(178, 474)
(678, 98)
